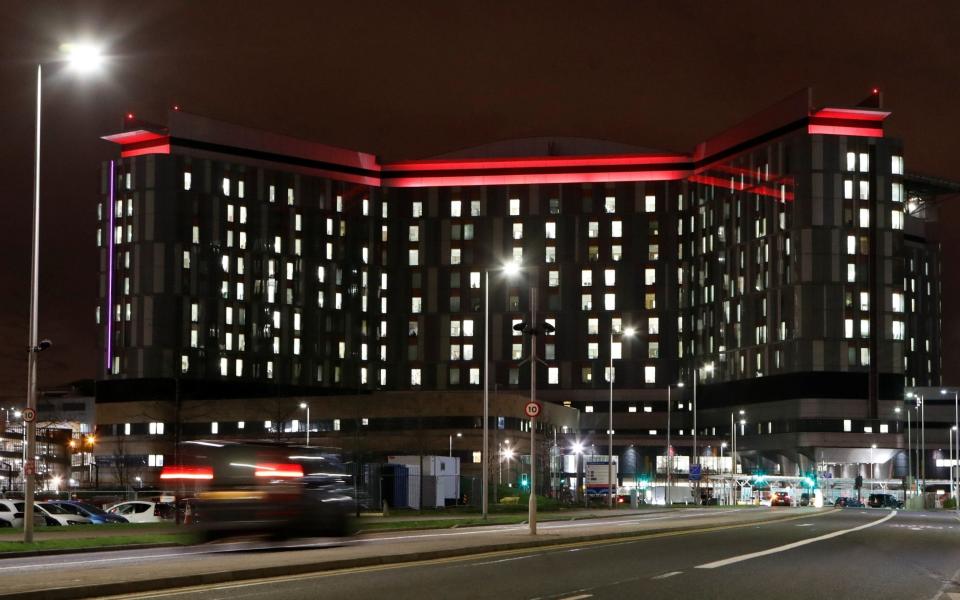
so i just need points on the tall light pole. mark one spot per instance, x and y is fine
(873, 475)
(733, 452)
(304, 405)
(955, 437)
(923, 448)
(450, 453)
(81, 58)
(696, 375)
(510, 268)
(668, 498)
(628, 332)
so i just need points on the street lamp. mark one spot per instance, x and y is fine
(628, 332)
(81, 57)
(668, 499)
(696, 375)
(304, 405)
(450, 453)
(873, 476)
(956, 445)
(510, 268)
(733, 451)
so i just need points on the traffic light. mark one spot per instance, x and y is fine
(524, 481)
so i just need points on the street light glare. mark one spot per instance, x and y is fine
(511, 268)
(83, 57)
(577, 447)
(303, 405)
(629, 331)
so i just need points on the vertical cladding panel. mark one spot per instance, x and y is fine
(159, 263)
(816, 199)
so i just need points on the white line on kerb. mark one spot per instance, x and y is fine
(580, 597)
(784, 548)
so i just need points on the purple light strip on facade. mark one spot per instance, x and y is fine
(109, 307)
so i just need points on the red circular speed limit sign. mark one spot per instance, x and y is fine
(532, 409)
(29, 415)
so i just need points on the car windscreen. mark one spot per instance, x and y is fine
(53, 509)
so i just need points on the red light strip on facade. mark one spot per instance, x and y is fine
(150, 149)
(195, 473)
(534, 178)
(845, 130)
(537, 162)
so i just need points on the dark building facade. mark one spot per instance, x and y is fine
(777, 264)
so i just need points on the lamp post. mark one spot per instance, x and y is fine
(304, 405)
(955, 437)
(628, 332)
(696, 375)
(81, 57)
(668, 498)
(450, 453)
(733, 451)
(873, 476)
(510, 268)
(578, 453)
(722, 446)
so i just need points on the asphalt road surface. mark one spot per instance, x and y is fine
(853, 553)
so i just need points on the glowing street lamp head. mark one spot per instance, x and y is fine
(578, 448)
(511, 268)
(83, 57)
(679, 384)
(303, 405)
(629, 331)
(708, 367)
(508, 453)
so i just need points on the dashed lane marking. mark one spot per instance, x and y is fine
(666, 575)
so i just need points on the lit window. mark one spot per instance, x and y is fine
(650, 276)
(417, 209)
(653, 325)
(156, 428)
(518, 231)
(616, 229)
(851, 161)
(415, 377)
(593, 326)
(226, 186)
(593, 350)
(896, 192)
(455, 208)
(550, 230)
(851, 244)
(588, 408)
(616, 350)
(848, 328)
(610, 204)
(632, 408)
(224, 367)
(864, 162)
(593, 229)
(897, 301)
(896, 219)
(851, 273)
(214, 427)
(609, 277)
(650, 204)
(586, 278)
(414, 258)
(896, 165)
(187, 180)
(864, 217)
(454, 256)
(413, 233)
(848, 189)
(649, 374)
(514, 207)
(610, 301)
(553, 278)
(864, 190)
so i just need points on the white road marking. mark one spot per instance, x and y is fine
(580, 597)
(503, 560)
(665, 575)
(784, 548)
(805, 525)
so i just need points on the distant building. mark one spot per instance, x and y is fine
(782, 264)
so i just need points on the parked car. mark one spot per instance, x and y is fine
(97, 515)
(781, 499)
(883, 501)
(11, 514)
(57, 516)
(143, 511)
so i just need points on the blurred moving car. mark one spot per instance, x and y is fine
(805, 499)
(261, 487)
(56, 515)
(143, 511)
(97, 516)
(781, 499)
(845, 502)
(11, 514)
(883, 501)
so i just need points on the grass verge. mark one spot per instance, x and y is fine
(100, 542)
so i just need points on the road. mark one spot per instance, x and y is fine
(852, 553)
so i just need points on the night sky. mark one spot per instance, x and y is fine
(413, 79)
